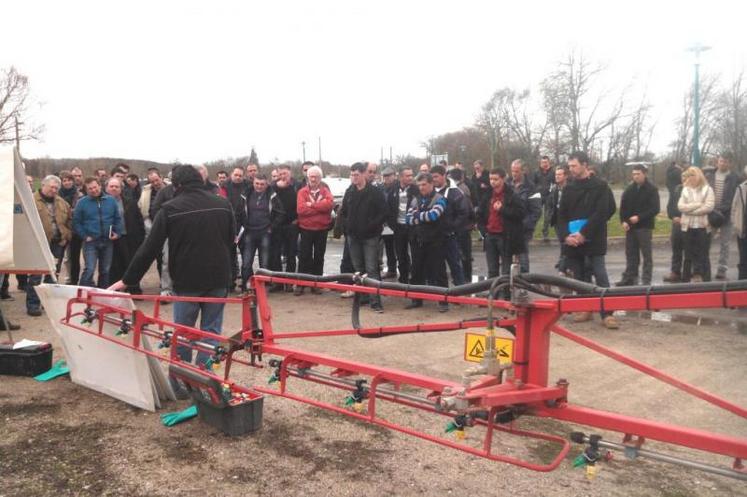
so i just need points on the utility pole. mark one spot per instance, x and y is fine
(320, 151)
(303, 147)
(696, 49)
(390, 155)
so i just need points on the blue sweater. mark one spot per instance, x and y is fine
(94, 216)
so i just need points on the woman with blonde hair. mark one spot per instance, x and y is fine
(696, 202)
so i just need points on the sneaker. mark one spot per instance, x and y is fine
(610, 323)
(414, 304)
(298, 291)
(11, 326)
(721, 276)
(6, 296)
(35, 312)
(625, 282)
(347, 295)
(377, 308)
(672, 278)
(696, 279)
(390, 274)
(581, 317)
(166, 294)
(443, 307)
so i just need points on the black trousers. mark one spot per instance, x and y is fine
(697, 245)
(74, 257)
(637, 245)
(742, 246)
(429, 263)
(313, 246)
(402, 248)
(464, 240)
(391, 254)
(284, 241)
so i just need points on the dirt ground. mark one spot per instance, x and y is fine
(62, 439)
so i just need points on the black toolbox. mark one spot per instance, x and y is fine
(28, 361)
(216, 406)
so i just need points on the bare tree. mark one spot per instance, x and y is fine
(492, 121)
(14, 108)
(524, 126)
(731, 124)
(586, 113)
(556, 112)
(682, 145)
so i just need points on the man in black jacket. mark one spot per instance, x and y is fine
(199, 227)
(500, 216)
(639, 206)
(582, 222)
(724, 182)
(544, 179)
(236, 192)
(398, 199)
(285, 232)
(364, 211)
(525, 189)
(556, 194)
(455, 219)
(132, 236)
(681, 268)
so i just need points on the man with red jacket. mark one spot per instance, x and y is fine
(314, 205)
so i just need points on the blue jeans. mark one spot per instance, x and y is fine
(100, 251)
(583, 268)
(454, 259)
(524, 256)
(365, 256)
(211, 319)
(254, 241)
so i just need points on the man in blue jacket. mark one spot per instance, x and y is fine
(97, 221)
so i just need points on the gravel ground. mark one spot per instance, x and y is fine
(62, 439)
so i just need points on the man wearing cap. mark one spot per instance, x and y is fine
(388, 184)
(199, 228)
(398, 199)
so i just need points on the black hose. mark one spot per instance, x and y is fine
(584, 289)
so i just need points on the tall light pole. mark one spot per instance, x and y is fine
(696, 49)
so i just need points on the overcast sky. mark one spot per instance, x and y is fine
(197, 81)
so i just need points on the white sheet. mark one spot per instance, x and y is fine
(100, 365)
(23, 245)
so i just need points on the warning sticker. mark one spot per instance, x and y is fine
(474, 348)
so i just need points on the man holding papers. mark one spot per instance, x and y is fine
(585, 207)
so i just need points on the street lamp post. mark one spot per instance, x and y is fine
(696, 49)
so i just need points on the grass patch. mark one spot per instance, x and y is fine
(663, 226)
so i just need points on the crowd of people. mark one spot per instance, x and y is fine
(422, 220)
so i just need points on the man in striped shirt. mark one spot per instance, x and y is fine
(724, 182)
(425, 216)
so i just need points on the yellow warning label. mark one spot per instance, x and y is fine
(474, 348)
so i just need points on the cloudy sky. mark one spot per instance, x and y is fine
(197, 81)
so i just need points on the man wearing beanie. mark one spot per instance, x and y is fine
(199, 227)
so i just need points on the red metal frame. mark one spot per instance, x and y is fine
(529, 389)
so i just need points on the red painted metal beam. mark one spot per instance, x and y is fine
(651, 371)
(654, 430)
